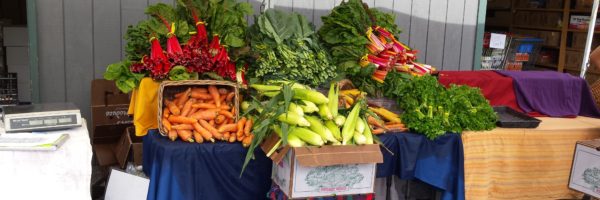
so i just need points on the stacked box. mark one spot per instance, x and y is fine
(17, 58)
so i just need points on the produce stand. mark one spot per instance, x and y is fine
(525, 163)
(180, 170)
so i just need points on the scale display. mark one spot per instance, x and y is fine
(40, 117)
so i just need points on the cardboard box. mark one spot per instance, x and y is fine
(498, 4)
(324, 171)
(15, 36)
(554, 3)
(499, 18)
(129, 148)
(109, 105)
(551, 19)
(109, 120)
(581, 22)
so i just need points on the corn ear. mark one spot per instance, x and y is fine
(310, 95)
(308, 107)
(335, 130)
(324, 112)
(360, 126)
(293, 119)
(359, 138)
(307, 136)
(294, 141)
(317, 126)
(368, 134)
(295, 108)
(349, 125)
(265, 88)
(339, 120)
(333, 99)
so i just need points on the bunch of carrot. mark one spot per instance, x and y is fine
(201, 114)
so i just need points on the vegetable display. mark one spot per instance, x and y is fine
(431, 109)
(301, 116)
(179, 36)
(205, 114)
(287, 49)
(363, 45)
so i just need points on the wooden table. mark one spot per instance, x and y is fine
(524, 163)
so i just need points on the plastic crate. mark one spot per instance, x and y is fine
(523, 53)
(8, 89)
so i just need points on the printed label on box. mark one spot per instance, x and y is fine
(497, 41)
(336, 179)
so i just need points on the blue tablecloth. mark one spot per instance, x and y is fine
(179, 170)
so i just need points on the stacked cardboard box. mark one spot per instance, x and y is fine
(109, 121)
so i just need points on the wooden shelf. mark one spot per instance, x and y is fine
(574, 49)
(538, 28)
(545, 65)
(581, 31)
(540, 9)
(550, 47)
(588, 71)
(582, 11)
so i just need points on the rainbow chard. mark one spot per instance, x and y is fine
(166, 15)
(157, 63)
(378, 61)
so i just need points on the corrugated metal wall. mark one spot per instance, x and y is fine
(77, 39)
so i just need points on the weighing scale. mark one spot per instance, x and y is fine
(40, 117)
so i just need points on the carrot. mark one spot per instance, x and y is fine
(203, 96)
(377, 123)
(172, 107)
(240, 127)
(205, 133)
(166, 112)
(226, 113)
(204, 105)
(247, 140)
(194, 110)
(213, 91)
(378, 131)
(211, 129)
(222, 98)
(392, 126)
(228, 128)
(233, 111)
(225, 107)
(182, 127)
(223, 91)
(230, 97)
(198, 137)
(247, 127)
(232, 138)
(185, 135)
(219, 119)
(172, 134)
(211, 102)
(182, 119)
(240, 137)
(183, 98)
(199, 90)
(165, 122)
(226, 136)
(187, 107)
(211, 122)
(205, 115)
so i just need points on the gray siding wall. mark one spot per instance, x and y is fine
(77, 39)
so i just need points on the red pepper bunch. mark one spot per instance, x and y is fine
(387, 53)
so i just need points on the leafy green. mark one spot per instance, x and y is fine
(343, 34)
(123, 77)
(227, 18)
(137, 37)
(431, 109)
(287, 49)
(179, 73)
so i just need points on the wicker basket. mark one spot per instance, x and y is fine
(168, 89)
(596, 93)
